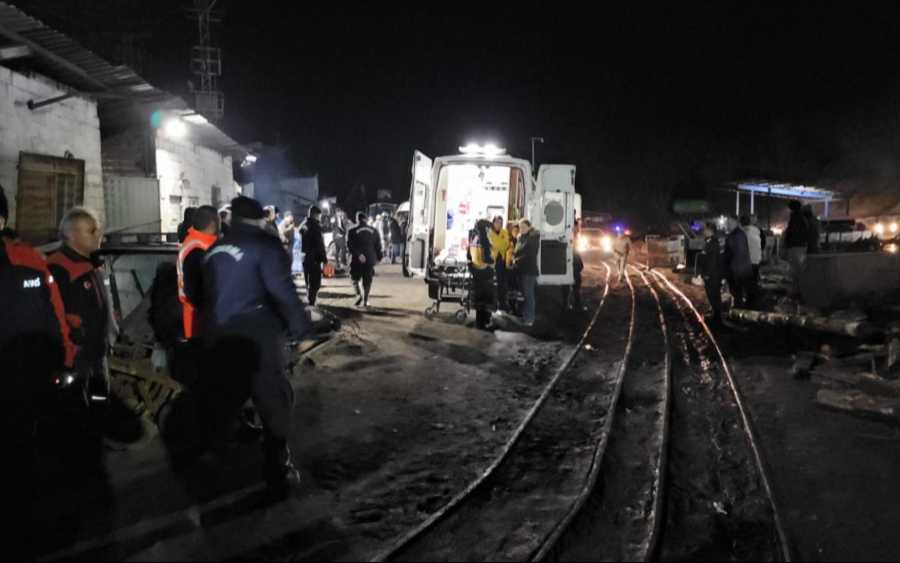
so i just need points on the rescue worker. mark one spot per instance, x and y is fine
(249, 303)
(713, 272)
(500, 245)
(622, 250)
(396, 241)
(738, 266)
(481, 262)
(201, 236)
(577, 269)
(364, 244)
(34, 346)
(312, 244)
(183, 350)
(82, 285)
(526, 265)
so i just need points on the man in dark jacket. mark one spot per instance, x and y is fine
(525, 262)
(396, 241)
(364, 244)
(796, 241)
(814, 230)
(738, 265)
(312, 244)
(186, 225)
(249, 302)
(713, 271)
(34, 345)
(78, 272)
(577, 269)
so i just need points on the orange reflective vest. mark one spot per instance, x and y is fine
(196, 240)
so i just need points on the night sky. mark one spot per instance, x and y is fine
(651, 101)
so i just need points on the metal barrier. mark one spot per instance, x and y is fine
(657, 252)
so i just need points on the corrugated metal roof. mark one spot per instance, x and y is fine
(123, 96)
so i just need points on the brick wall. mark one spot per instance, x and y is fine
(69, 126)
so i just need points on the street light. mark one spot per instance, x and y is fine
(533, 139)
(176, 129)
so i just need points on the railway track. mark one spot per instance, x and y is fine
(721, 505)
(618, 517)
(549, 462)
(611, 493)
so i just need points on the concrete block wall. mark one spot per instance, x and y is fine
(189, 172)
(125, 153)
(837, 281)
(69, 126)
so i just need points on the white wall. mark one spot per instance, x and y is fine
(189, 172)
(71, 125)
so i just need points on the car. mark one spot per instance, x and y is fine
(594, 239)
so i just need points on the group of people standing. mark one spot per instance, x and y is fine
(738, 257)
(502, 264)
(55, 334)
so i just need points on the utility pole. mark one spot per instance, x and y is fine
(206, 61)
(533, 139)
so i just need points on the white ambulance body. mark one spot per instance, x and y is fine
(451, 193)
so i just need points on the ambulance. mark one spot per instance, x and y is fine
(451, 193)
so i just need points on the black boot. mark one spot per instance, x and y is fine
(367, 290)
(359, 297)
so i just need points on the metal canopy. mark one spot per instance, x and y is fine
(783, 190)
(791, 191)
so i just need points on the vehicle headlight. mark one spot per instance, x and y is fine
(582, 244)
(607, 244)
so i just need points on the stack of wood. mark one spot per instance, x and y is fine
(841, 324)
(849, 387)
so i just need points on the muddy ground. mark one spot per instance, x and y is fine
(391, 421)
(834, 476)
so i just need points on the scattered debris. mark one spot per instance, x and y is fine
(860, 404)
(873, 384)
(835, 374)
(804, 365)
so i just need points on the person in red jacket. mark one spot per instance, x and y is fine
(34, 347)
(78, 273)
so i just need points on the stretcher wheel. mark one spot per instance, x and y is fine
(429, 313)
(461, 316)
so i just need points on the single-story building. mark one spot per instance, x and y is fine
(78, 130)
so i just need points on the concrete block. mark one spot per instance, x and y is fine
(834, 281)
(21, 82)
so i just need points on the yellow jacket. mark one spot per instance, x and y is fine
(500, 244)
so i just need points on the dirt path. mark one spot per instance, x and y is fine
(390, 422)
